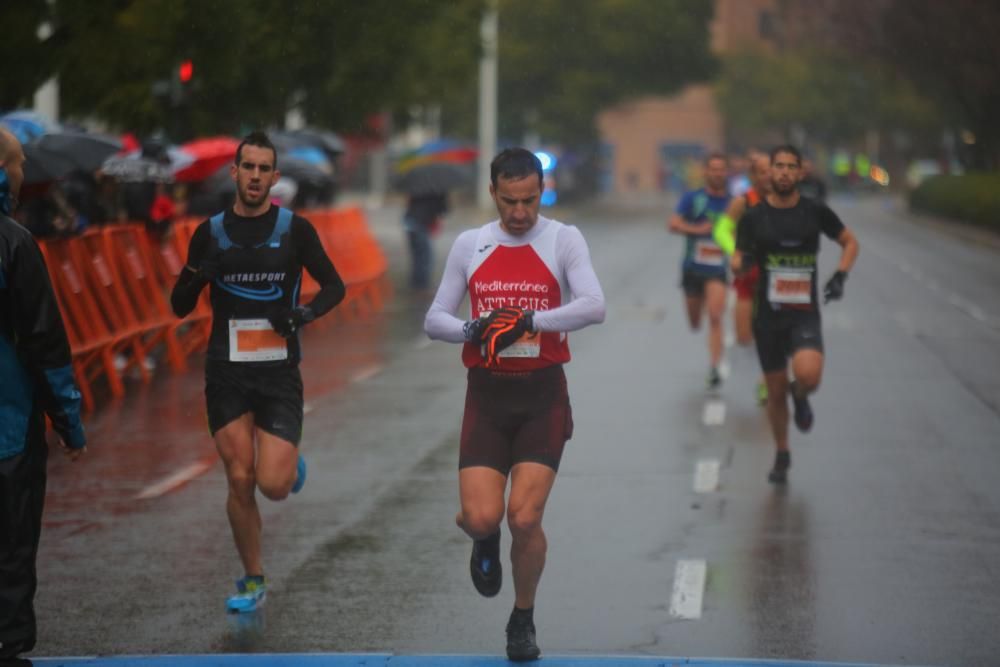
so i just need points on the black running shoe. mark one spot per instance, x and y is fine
(779, 473)
(487, 574)
(714, 380)
(521, 646)
(803, 412)
(9, 652)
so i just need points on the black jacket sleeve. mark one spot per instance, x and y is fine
(40, 336)
(314, 258)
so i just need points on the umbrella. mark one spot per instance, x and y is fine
(86, 151)
(133, 168)
(41, 166)
(27, 125)
(304, 171)
(329, 142)
(434, 178)
(199, 159)
(441, 151)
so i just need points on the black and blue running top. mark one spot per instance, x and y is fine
(261, 261)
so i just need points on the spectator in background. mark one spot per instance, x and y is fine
(810, 184)
(161, 213)
(422, 221)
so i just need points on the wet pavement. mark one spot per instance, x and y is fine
(884, 547)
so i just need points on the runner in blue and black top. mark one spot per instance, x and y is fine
(781, 236)
(252, 257)
(705, 265)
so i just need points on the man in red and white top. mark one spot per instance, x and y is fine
(529, 281)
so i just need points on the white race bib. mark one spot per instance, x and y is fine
(791, 286)
(708, 253)
(255, 340)
(528, 346)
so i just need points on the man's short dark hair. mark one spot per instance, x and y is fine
(787, 148)
(515, 164)
(259, 139)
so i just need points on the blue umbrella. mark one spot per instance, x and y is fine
(28, 125)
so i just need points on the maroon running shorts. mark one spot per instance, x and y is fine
(515, 417)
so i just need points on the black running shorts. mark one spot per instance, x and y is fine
(272, 393)
(515, 417)
(694, 283)
(780, 336)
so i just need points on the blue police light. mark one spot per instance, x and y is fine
(548, 161)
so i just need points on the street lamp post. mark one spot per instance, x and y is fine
(487, 102)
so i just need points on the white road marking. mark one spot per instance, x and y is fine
(689, 589)
(730, 339)
(366, 373)
(706, 476)
(715, 412)
(724, 369)
(177, 480)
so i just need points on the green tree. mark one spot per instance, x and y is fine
(339, 60)
(832, 96)
(21, 45)
(563, 61)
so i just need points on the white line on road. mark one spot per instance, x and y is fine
(366, 373)
(715, 412)
(706, 476)
(724, 369)
(689, 589)
(177, 480)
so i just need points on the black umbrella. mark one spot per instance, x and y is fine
(436, 178)
(86, 151)
(328, 141)
(42, 166)
(137, 169)
(303, 171)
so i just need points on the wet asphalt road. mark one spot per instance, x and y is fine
(884, 547)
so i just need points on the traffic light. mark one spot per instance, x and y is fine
(185, 71)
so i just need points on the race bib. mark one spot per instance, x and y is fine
(255, 340)
(791, 286)
(708, 253)
(528, 346)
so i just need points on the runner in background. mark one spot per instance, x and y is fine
(724, 234)
(781, 237)
(704, 266)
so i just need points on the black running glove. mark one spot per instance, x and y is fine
(209, 269)
(834, 289)
(504, 330)
(286, 324)
(474, 330)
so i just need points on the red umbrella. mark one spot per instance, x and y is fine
(206, 157)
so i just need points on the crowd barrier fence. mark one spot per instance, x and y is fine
(113, 283)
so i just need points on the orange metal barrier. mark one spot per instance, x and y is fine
(112, 286)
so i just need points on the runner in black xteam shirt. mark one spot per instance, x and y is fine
(252, 257)
(781, 237)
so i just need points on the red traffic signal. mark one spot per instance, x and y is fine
(185, 71)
